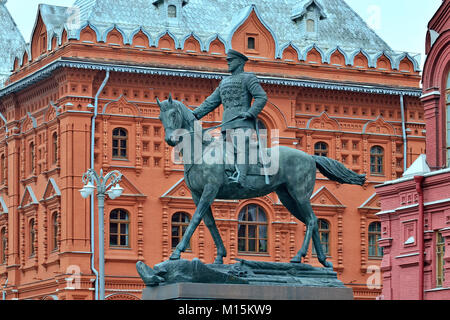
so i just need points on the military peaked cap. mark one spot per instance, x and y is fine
(233, 54)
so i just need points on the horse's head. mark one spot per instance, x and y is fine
(176, 119)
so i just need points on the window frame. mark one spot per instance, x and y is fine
(54, 148)
(257, 224)
(119, 233)
(321, 232)
(377, 234)
(440, 262)
(55, 231)
(32, 156)
(181, 229)
(119, 138)
(377, 157)
(32, 237)
(3, 246)
(320, 151)
(447, 120)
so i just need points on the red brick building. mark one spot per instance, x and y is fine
(416, 208)
(334, 88)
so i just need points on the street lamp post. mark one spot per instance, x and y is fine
(106, 185)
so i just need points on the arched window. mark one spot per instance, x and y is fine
(172, 11)
(448, 119)
(4, 245)
(32, 237)
(55, 230)
(32, 155)
(374, 235)
(3, 169)
(180, 222)
(321, 149)
(252, 230)
(55, 148)
(376, 160)
(119, 143)
(324, 234)
(119, 228)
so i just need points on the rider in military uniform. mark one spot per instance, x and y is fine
(236, 93)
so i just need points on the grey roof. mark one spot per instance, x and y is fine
(340, 28)
(12, 43)
(206, 18)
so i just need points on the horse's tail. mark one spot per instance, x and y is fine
(336, 171)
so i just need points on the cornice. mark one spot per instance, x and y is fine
(47, 71)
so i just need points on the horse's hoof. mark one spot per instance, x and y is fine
(296, 260)
(175, 256)
(219, 260)
(327, 264)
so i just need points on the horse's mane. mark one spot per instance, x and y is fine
(186, 113)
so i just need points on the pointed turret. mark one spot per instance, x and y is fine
(12, 43)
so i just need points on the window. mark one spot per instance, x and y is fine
(310, 25)
(321, 149)
(180, 222)
(172, 11)
(376, 160)
(324, 234)
(32, 235)
(440, 251)
(252, 230)
(119, 145)
(55, 147)
(3, 169)
(447, 94)
(55, 229)
(119, 228)
(374, 236)
(32, 157)
(251, 43)
(4, 245)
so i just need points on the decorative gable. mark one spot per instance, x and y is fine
(129, 189)
(3, 206)
(323, 122)
(323, 197)
(251, 35)
(178, 191)
(372, 203)
(51, 191)
(379, 126)
(28, 198)
(121, 107)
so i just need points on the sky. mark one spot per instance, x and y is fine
(402, 24)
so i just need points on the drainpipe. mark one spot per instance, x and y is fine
(92, 197)
(405, 143)
(419, 189)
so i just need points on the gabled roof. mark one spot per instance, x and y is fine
(12, 43)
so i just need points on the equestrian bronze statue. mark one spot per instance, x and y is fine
(206, 177)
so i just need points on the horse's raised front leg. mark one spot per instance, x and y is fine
(206, 199)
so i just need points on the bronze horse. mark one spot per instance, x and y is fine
(293, 183)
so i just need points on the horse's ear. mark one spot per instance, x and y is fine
(170, 98)
(158, 102)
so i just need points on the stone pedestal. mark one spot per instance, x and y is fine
(212, 291)
(244, 280)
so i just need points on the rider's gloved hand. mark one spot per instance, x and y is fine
(246, 115)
